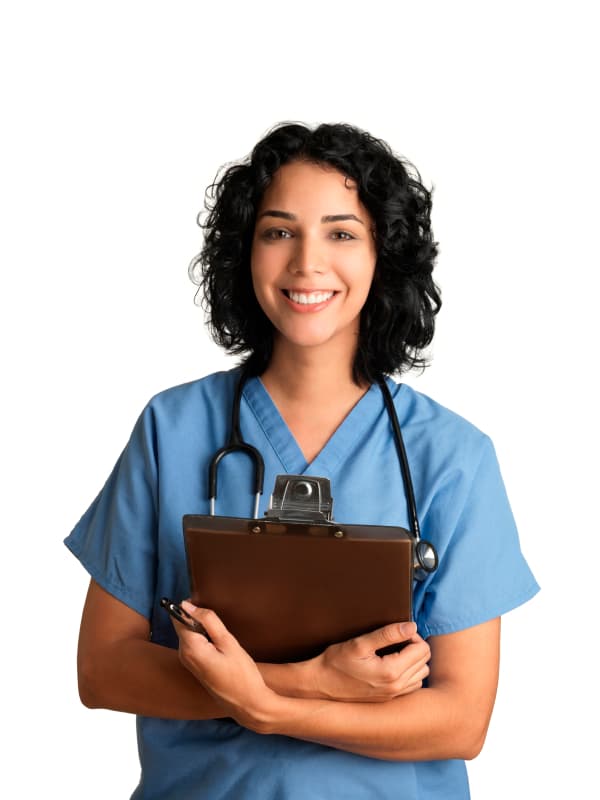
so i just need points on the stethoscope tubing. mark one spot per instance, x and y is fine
(425, 554)
(237, 444)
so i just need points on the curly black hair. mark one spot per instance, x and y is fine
(397, 320)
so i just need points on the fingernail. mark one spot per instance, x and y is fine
(407, 628)
(187, 606)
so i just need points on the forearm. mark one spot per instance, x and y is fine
(141, 677)
(295, 680)
(426, 725)
(448, 719)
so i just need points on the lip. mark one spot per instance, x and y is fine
(308, 308)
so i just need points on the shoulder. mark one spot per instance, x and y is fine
(436, 426)
(188, 409)
(210, 391)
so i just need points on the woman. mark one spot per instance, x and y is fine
(317, 268)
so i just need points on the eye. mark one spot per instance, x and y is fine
(275, 234)
(342, 236)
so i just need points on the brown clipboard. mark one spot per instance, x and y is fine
(287, 590)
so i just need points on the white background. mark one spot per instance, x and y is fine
(116, 115)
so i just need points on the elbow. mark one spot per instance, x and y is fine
(87, 696)
(466, 728)
(88, 683)
(465, 747)
(472, 749)
(471, 743)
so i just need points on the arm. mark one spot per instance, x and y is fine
(448, 719)
(120, 669)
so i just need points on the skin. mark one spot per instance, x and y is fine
(448, 719)
(295, 247)
(121, 669)
(347, 697)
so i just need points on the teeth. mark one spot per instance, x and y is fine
(309, 299)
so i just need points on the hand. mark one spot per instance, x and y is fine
(352, 671)
(225, 669)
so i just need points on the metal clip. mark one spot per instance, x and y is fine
(301, 498)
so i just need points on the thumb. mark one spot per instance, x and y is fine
(390, 634)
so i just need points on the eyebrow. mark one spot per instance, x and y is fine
(271, 212)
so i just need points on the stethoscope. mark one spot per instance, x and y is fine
(425, 555)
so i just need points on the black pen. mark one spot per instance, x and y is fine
(181, 615)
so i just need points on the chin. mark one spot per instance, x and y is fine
(313, 339)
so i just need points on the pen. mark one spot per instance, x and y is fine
(181, 615)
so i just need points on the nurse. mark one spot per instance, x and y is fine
(317, 269)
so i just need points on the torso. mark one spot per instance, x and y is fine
(131, 540)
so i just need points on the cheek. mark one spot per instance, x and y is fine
(259, 274)
(257, 269)
(263, 263)
(262, 292)
(362, 273)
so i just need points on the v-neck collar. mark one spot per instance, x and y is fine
(284, 444)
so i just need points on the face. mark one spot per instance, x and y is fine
(313, 256)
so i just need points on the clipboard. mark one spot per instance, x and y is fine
(288, 588)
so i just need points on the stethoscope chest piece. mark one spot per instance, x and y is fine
(426, 559)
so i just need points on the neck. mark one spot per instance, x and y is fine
(307, 375)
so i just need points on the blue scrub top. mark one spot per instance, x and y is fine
(130, 541)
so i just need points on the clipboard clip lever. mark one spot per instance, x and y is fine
(301, 498)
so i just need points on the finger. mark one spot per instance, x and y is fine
(408, 683)
(415, 683)
(397, 668)
(419, 673)
(415, 650)
(191, 637)
(383, 637)
(211, 622)
(410, 688)
(401, 667)
(416, 658)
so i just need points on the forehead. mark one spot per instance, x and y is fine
(301, 185)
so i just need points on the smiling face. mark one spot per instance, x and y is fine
(313, 257)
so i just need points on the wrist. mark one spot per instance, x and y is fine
(264, 716)
(295, 679)
(304, 677)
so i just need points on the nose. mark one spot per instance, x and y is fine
(307, 257)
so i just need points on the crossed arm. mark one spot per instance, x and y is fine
(347, 698)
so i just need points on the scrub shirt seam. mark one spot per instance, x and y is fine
(330, 461)
(339, 446)
(117, 591)
(461, 623)
(264, 430)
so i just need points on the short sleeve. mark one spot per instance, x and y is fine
(482, 572)
(115, 540)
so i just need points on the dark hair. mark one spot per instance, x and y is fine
(397, 320)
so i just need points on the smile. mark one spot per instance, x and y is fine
(308, 298)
